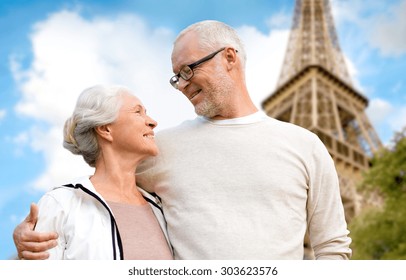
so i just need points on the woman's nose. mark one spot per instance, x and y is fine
(151, 122)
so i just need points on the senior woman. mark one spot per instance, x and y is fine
(106, 216)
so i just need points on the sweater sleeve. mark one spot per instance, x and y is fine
(327, 227)
(51, 218)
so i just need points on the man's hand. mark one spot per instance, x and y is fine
(32, 245)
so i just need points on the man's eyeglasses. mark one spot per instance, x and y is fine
(187, 73)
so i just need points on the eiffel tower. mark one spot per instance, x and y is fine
(315, 91)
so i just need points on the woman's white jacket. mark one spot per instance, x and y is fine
(84, 222)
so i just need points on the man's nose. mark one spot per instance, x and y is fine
(182, 84)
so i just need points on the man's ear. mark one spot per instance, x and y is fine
(231, 56)
(104, 131)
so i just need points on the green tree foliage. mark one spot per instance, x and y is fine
(380, 233)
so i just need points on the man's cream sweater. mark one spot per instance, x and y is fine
(247, 188)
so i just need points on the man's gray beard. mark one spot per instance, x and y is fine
(214, 103)
(206, 109)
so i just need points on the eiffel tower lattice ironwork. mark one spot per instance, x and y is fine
(315, 91)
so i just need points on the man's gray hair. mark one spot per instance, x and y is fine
(214, 35)
(96, 106)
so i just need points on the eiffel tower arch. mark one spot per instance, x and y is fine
(315, 91)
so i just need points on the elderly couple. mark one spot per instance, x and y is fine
(231, 184)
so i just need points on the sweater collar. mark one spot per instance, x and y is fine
(250, 119)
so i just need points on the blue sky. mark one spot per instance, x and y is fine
(51, 50)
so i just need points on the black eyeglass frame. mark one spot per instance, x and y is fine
(174, 80)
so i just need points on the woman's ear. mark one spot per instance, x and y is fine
(104, 131)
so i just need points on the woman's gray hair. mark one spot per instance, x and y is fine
(96, 106)
(215, 34)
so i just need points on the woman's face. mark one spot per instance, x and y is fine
(132, 131)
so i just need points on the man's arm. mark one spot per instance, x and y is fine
(32, 245)
(326, 218)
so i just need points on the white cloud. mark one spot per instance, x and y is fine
(3, 113)
(20, 141)
(356, 11)
(61, 165)
(265, 54)
(389, 31)
(379, 24)
(71, 53)
(347, 11)
(379, 110)
(280, 20)
(387, 118)
(398, 121)
(353, 73)
(397, 87)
